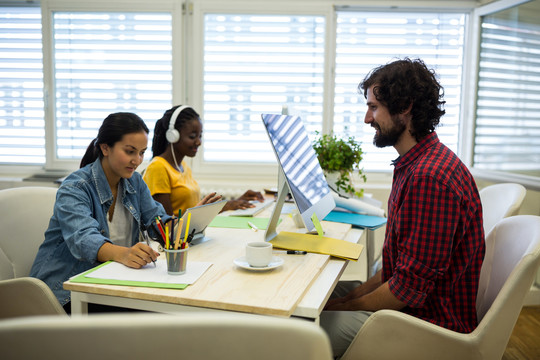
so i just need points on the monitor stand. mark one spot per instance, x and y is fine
(199, 239)
(283, 190)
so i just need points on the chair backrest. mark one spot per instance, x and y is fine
(194, 336)
(24, 216)
(500, 201)
(510, 264)
(27, 296)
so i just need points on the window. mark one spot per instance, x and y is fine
(507, 134)
(22, 123)
(366, 40)
(106, 62)
(257, 64)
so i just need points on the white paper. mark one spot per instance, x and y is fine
(149, 273)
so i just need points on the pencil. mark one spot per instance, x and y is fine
(158, 225)
(177, 240)
(187, 228)
(172, 231)
(167, 237)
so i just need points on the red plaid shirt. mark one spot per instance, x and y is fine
(434, 243)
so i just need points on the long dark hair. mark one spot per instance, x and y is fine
(160, 143)
(404, 82)
(113, 128)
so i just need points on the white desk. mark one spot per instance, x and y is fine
(300, 287)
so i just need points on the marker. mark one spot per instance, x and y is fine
(296, 252)
(252, 226)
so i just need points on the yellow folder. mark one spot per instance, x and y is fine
(317, 244)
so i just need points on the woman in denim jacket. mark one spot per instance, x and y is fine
(100, 208)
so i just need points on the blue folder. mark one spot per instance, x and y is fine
(359, 220)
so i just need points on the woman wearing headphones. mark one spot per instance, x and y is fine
(177, 135)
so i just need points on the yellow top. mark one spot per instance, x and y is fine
(162, 178)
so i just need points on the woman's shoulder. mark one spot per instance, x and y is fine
(81, 175)
(158, 162)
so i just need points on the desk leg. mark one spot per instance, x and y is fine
(78, 305)
(370, 252)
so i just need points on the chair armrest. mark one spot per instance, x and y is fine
(389, 334)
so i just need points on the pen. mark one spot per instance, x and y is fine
(252, 226)
(296, 252)
(145, 237)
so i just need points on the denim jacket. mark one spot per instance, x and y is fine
(78, 227)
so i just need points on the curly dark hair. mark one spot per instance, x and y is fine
(398, 84)
(159, 143)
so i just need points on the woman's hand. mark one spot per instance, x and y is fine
(237, 204)
(136, 256)
(139, 255)
(251, 195)
(244, 201)
(210, 198)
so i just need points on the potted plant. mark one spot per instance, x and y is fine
(339, 158)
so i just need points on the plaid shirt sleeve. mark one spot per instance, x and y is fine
(426, 221)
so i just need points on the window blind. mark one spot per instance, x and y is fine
(22, 124)
(106, 62)
(507, 135)
(366, 40)
(257, 64)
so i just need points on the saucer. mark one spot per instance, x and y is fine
(274, 263)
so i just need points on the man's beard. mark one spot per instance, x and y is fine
(390, 136)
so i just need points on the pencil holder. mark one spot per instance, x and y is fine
(176, 261)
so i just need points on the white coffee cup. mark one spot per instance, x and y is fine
(259, 253)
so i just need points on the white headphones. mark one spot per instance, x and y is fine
(172, 135)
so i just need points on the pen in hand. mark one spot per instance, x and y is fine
(144, 235)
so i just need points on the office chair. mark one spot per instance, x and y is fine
(27, 296)
(194, 336)
(500, 201)
(24, 217)
(509, 268)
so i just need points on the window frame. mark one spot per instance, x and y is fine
(469, 124)
(48, 7)
(187, 69)
(234, 171)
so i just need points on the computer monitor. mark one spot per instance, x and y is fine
(299, 171)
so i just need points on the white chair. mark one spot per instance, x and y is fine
(194, 336)
(27, 296)
(500, 201)
(24, 216)
(510, 264)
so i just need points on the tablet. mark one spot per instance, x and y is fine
(201, 216)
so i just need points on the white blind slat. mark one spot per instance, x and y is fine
(108, 62)
(369, 39)
(507, 134)
(256, 64)
(22, 135)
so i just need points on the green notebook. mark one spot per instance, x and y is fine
(239, 222)
(81, 278)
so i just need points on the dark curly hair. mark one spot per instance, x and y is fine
(398, 84)
(159, 143)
